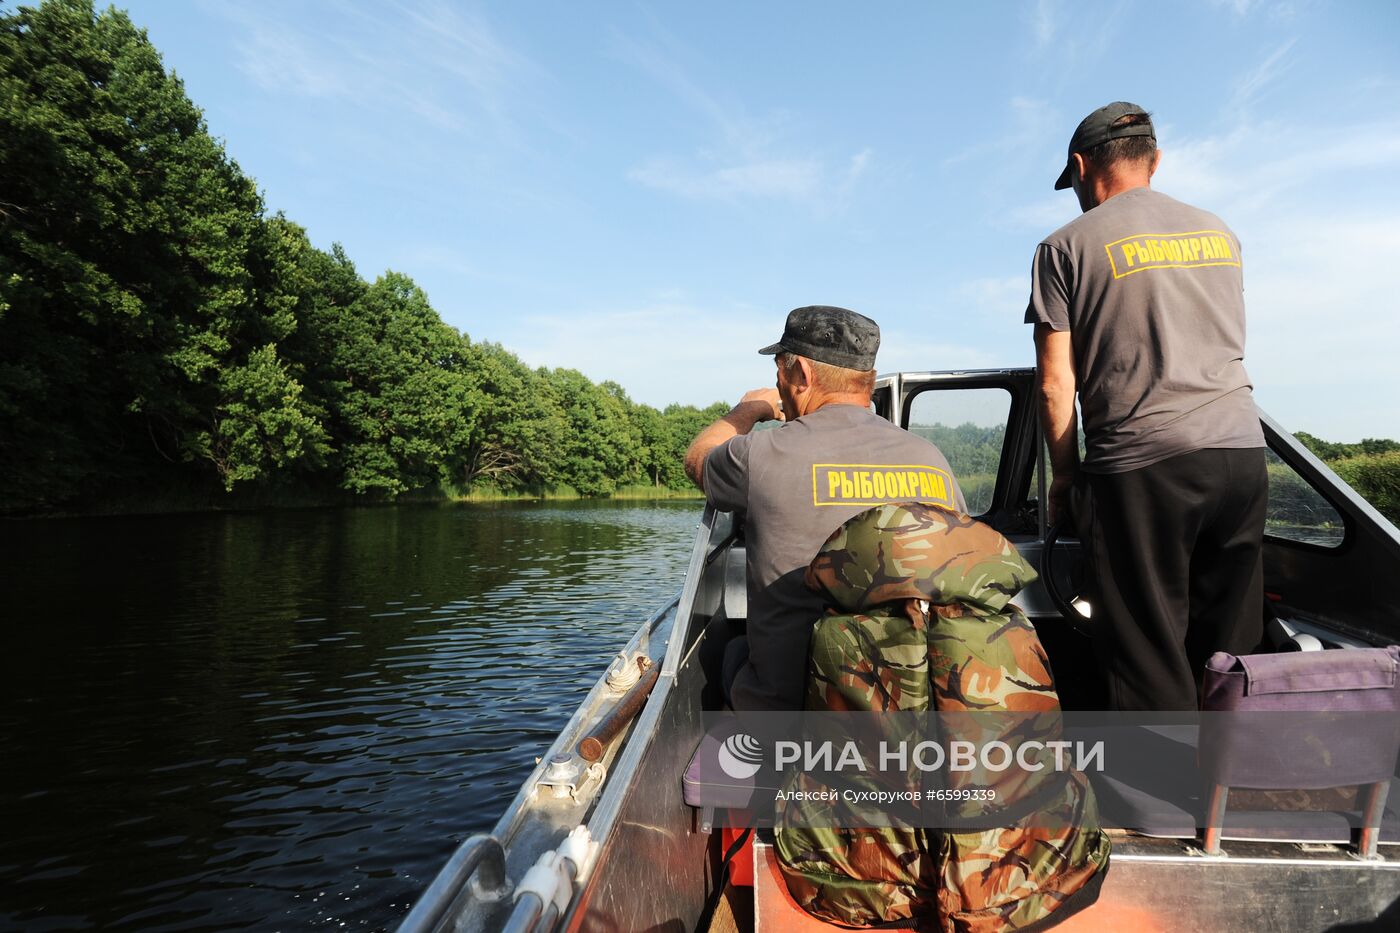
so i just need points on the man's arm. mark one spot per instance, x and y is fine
(758, 405)
(1055, 374)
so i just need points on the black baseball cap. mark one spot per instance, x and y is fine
(830, 335)
(1098, 128)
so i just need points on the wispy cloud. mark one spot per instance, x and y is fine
(441, 64)
(279, 60)
(675, 351)
(663, 351)
(1043, 22)
(1065, 40)
(794, 179)
(859, 163)
(1025, 126)
(1003, 296)
(1275, 10)
(1252, 165)
(903, 350)
(1324, 322)
(1043, 215)
(741, 157)
(1249, 87)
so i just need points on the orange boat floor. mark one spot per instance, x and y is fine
(776, 912)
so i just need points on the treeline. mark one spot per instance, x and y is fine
(1371, 467)
(158, 330)
(972, 449)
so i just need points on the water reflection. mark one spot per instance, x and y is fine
(289, 720)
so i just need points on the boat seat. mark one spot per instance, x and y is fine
(1152, 801)
(1297, 783)
(709, 787)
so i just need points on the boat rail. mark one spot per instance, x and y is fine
(476, 880)
(483, 853)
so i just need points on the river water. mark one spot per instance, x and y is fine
(289, 720)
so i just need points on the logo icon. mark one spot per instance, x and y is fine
(740, 756)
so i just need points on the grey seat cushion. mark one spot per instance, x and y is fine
(1144, 792)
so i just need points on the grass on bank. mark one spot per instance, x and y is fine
(196, 497)
(640, 491)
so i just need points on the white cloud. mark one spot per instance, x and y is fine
(661, 352)
(859, 163)
(1250, 168)
(667, 352)
(1027, 124)
(1043, 22)
(278, 60)
(1043, 216)
(445, 66)
(1324, 323)
(1251, 85)
(741, 157)
(1002, 297)
(1238, 7)
(793, 179)
(903, 351)
(1279, 11)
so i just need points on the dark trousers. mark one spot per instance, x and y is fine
(723, 651)
(1175, 572)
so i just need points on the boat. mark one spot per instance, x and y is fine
(599, 836)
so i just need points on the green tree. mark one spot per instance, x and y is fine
(602, 448)
(263, 424)
(682, 424)
(136, 269)
(514, 440)
(1376, 477)
(402, 389)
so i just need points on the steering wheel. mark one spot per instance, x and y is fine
(1068, 602)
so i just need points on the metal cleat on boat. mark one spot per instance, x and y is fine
(570, 776)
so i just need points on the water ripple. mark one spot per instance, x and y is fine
(290, 720)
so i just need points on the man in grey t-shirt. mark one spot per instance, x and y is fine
(1138, 307)
(832, 458)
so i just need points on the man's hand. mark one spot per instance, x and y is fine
(1058, 496)
(756, 405)
(771, 406)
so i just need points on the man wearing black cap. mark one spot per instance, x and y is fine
(1138, 307)
(831, 459)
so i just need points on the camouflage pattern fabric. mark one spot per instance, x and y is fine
(919, 619)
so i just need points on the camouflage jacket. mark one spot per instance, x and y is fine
(919, 619)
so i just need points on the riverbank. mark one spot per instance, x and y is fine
(637, 493)
(176, 501)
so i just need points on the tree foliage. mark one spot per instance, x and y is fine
(1329, 450)
(157, 327)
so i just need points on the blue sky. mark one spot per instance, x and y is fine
(642, 191)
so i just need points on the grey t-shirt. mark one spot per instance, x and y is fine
(797, 483)
(1153, 293)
